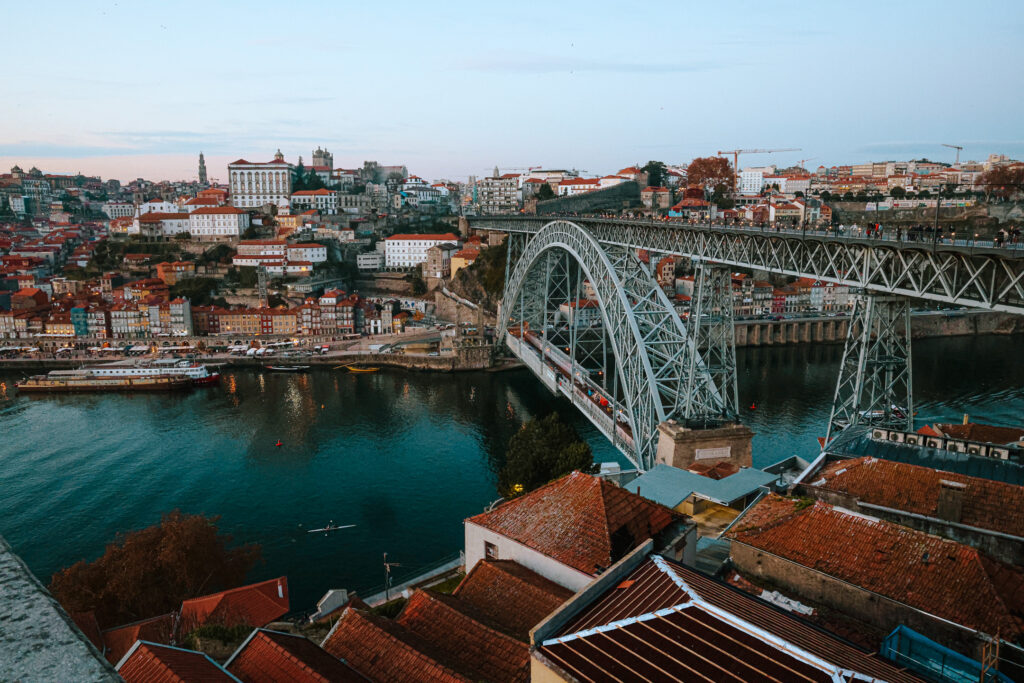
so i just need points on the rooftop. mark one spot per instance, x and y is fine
(670, 486)
(254, 605)
(267, 656)
(580, 520)
(119, 640)
(663, 612)
(150, 662)
(987, 504)
(38, 640)
(938, 576)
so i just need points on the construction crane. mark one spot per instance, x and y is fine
(803, 161)
(737, 152)
(957, 148)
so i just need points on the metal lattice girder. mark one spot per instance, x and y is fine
(652, 350)
(980, 277)
(874, 385)
(713, 330)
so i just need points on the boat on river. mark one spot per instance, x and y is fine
(358, 368)
(197, 372)
(80, 381)
(287, 368)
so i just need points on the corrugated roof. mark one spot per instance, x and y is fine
(670, 486)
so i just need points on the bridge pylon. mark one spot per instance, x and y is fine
(874, 385)
(712, 327)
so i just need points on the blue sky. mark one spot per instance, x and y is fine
(132, 89)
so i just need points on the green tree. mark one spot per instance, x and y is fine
(247, 276)
(898, 192)
(655, 171)
(419, 285)
(848, 197)
(198, 290)
(252, 232)
(149, 572)
(543, 450)
(545, 192)
(826, 196)
(299, 178)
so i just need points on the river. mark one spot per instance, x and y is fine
(403, 456)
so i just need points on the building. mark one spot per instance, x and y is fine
(307, 251)
(408, 251)
(213, 223)
(463, 258)
(879, 573)
(270, 656)
(656, 197)
(498, 194)
(156, 225)
(370, 261)
(259, 184)
(146, 662)
(648, 616)
(322, 200)
(439, 260)
(577, 186)
(544, 530)
(581, 313)
(118, 209)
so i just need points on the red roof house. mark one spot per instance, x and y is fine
(154, 663)
(257, 605)
(273, 657)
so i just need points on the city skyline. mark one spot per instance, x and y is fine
(591, 89)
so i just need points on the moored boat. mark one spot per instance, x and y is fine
(356, 368)
(197, 372)
(75, 381)
(287, 368)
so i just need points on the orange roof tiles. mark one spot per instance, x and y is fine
(254, 605)
(119, 640)
(152, 663)
(466, 643)
(384, 651)
(987, 504)
(972, 431)
(510, 595)
(216, 210)
(274, 657)
(944, 578)
(446, 236)
(574, 519)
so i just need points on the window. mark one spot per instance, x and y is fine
(490, 551)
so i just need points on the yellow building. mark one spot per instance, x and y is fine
(463, 258)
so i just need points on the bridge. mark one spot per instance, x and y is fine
(629, 362)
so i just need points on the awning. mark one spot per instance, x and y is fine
(139, 348)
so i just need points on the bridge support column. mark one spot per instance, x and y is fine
(874, 385)
(713, 330)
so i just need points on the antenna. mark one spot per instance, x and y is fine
(387, 577)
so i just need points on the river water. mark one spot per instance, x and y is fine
(403, 456)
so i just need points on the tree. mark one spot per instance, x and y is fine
(419, 286)
(655, 171)
(149, 572)
(798, 193)
(826, 196)
(1004, 181)
(714, 173)
(545, 192)
(924, 194)
(848, 197)
(299, 178)
(897, 192)
(198, 290)
(252, 232)
(543, 450)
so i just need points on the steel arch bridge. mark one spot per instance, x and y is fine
(637, 364)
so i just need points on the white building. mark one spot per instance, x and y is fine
(218, 223)
(576, 186)
(370, 261)
(118, 209)
(407, 251)
(256, 184)
(324, 201)
(263, 248)
(309, 251)
(498, 195)
(156, 224)
(751, 181)
(156, 206)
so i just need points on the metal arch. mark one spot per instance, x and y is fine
(980, 277)
(650, 344)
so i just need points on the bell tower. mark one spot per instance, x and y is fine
(202, 169)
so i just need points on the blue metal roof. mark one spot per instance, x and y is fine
(670, 486)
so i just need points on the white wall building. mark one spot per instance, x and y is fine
(309, 251)
(370, 261)
(118, 209)
(156, 206)
(324, 201)
(256, 184)
(751, 181)
(407, 251)
(218, 223)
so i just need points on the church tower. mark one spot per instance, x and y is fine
(202, 169)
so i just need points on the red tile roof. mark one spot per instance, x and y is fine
(86, 621)
(153, 663)
(466, 643)
(987, 504)
(216, 210)
(257, 604)
(510, 595)
(311, 193)
(155, 630)
(446, 236)
(579, 520)
(272, 657)
(973, 431)
(384, 651)
(944, 578)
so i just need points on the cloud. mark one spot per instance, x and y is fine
(552, 65)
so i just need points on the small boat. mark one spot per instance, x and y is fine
(331, 526)
(354, 368)
(73, 381)
(287, 368)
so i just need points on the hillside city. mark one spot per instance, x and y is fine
(89, 263)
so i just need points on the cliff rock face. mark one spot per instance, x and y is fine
(484, 281)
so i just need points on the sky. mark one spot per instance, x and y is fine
(451, 89)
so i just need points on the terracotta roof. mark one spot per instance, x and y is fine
(257, 604)
(972, 431)
(657, 585)
(467, 644)
(944, 578)
(510, 595)
(272, 657)
(155, 630)
(86, 621)
(446, 236)
(153, 663)
(987, 504)
(579, 520)
(311, 193)
(384, 651)
(214, 210)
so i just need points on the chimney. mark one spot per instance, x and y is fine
(280, 589)
(951, 500)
